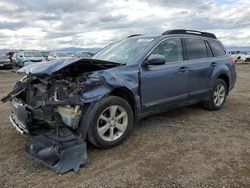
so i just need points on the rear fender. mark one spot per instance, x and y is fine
(221, 70)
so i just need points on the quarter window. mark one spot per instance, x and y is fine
(217, 49)
(171, 49)
(196, 48)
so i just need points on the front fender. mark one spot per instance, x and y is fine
(100, 85)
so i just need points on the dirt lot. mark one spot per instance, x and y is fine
(188, 147)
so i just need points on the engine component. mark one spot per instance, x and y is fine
(70, 115)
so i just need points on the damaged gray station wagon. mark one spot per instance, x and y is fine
(64, 103)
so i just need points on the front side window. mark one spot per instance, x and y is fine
(171, 49)
(217, 49)
(196, 48)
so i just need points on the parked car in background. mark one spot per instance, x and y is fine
(10, 55)
(100, 99)
(60, 55)
(235, 54)
(45, 54)
(245, 56)
(84, 54)
(14, 59)
(29, 57)
(5, 62)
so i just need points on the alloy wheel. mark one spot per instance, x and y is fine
(219, 94)
(112, 123)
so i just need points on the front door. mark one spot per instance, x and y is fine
(167, 84)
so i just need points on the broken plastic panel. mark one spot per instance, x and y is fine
(58, 149)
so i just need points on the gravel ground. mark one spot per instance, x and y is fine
(188, 147)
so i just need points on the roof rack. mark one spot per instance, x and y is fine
(134, 35)
(190, 32)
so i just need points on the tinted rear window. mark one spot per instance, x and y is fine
(196, 48)
(209, 51)
(217, 49)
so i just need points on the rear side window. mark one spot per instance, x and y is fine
(209, 51)
(217, 49)
(196, 48)
(171, 49)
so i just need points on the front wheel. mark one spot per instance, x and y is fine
(111, 123)
(218, 96)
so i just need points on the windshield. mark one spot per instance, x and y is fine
(4, 58)
(124, 51)
(33, 54)
(45, 53)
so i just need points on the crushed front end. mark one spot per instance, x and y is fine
(49, 107)
(49, 110)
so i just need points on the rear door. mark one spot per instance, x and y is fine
(165, 85)
(201, 67)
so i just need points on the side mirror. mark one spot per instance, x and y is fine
(156, 59)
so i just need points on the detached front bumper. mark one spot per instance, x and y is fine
(60, 149)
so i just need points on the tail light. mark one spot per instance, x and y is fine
(233, 60)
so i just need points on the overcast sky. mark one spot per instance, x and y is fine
(49, 24)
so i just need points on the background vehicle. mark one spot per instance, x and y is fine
(5, 62)
(83, 54)
(14, 59)
(99, 99)
(245, 56)
(60, 55)
(29, 57)
(235, 54)
(45, 54)
(10, 55)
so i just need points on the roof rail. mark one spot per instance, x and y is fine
(134, 35)
(190, 32)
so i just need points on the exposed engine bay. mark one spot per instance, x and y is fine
(48, 104)
(53, 101)
(57, 99)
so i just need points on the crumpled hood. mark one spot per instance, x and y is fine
(50, 67)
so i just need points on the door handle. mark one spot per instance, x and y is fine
(213, 64)
(183, 69)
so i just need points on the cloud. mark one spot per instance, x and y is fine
(52, 24)
(12, 25)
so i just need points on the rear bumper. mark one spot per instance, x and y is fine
(233, 80)
(6, 66)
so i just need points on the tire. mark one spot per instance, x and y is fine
(106, 121)
(218, 87)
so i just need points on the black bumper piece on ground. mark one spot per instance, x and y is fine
(60, 150)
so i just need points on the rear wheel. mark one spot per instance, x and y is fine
(111, 123)
(218, 96)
